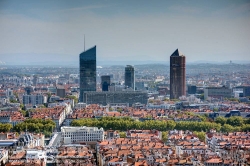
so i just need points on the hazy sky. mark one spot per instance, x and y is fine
(53, 30)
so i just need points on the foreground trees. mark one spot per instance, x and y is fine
(126, 123)
(5, 127)
(36, 125)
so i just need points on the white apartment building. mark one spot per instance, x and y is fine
(36, 154)
(9, 92)
(62, 115)
(34, 99)
(81, 134)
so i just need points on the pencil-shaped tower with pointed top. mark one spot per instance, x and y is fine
(177, 75)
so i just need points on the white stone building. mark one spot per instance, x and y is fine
(81, 134)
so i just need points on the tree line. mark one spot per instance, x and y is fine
(124, 124)
(36, 125)
(127, 123)
(234, 123)
(5, 127)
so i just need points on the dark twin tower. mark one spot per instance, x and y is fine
(177, 75)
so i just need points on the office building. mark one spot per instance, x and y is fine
(192, 89)
(60, 91)
(116, 97)
(130, 77)
(217, 92)
(35, 80)
(140, 86)
(105, 82)
(9, 92)
(87, 71)
(177, 75)
(29, 90)
(81, 134)
(245, 90)
(34, 99)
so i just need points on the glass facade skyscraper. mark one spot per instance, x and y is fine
(87, 61)
(130, 77)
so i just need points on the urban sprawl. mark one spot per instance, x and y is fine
(143, 115)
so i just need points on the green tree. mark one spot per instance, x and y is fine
(200, 135)
(227, 128)
(233, 99)
(6, 127)
(13, 101)
(216, 109)
(49, 95)
(119, 110)
(235, 121)
(22, 107)
(35, 125)
(164, 136)
(122, 134)
(25, 113)
(247, 121)
(221, 120)
(246, 127)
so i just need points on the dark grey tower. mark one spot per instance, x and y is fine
(177, 75)
(130, 77)
(87, 71)
(105, 82)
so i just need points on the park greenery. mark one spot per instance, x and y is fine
(234, 123)
(13, 101)
(164, 136)
(201, 135)
(36, 125)
(5, 127)
(122, 134)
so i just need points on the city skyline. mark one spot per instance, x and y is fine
(45, 31)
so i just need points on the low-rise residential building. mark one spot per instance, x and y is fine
(12, 117)
(3, 156)
(29, 157)
(132, 151)
(57, 114)
(34, 99)
(75, 155)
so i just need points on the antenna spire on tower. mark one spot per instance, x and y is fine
(84, 42)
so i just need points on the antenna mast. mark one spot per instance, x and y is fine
(84, 42)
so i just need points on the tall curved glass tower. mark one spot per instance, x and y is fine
(87, 61)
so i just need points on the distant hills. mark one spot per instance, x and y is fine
(68, 60)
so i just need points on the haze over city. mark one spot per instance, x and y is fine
(52, 32)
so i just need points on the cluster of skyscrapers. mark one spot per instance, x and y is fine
(88, 79)
(88, 93)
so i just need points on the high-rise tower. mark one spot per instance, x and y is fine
(130, 77)
(87, 71)
(177, 75)
(105, 82)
